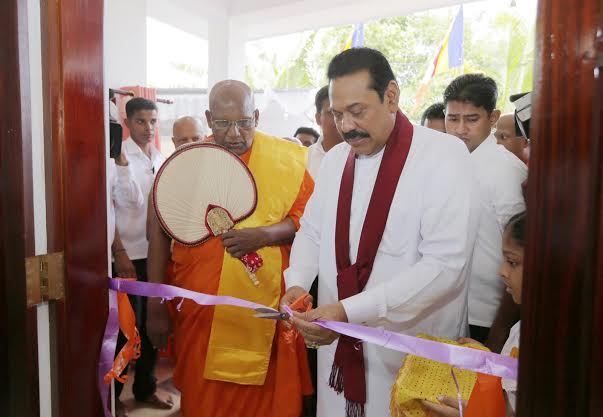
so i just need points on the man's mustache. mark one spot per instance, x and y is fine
(355, 134)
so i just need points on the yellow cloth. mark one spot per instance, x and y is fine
(424, 379)
(278, 168)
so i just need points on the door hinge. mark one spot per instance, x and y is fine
(45, 277)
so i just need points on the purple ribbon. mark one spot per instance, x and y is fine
(457, 356)
(108, 351)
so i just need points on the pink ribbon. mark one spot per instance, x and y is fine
(457, 356)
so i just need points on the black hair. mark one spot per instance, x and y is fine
(435, 111)
(307, 130)
(354, 60)
(321, 96)
(477, 89)
(137, 104)
(517, 228)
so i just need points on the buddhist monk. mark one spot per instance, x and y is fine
(228, 363)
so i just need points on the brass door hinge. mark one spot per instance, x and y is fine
(45, 276)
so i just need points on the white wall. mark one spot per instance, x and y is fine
(126, 43)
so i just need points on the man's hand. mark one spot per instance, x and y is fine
(293, 294)
(239, 243)
(121, 160)
(124, 268)
(314, 334)
(448, 407)
(159, 324)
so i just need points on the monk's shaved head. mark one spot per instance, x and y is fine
(187, 122)
(187, 130)
(232, 115)
(230, 93)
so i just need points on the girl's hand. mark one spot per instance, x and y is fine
(466, 340)
(448, 407)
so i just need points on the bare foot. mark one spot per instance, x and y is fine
(162, 401)
(120, 409)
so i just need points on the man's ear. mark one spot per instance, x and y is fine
(392, 96)
(494, 116)
(318, 118)
(127, 123)
(256, 114)
(208, 118)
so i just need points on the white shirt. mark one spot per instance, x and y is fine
(509, 385)
(419, 280)
(132, 221)
(316, 153)
(499, 176)
(124, 190)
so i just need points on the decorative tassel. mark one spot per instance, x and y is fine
(336, 378)
(354, 409)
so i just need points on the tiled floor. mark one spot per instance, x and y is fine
(163, 372)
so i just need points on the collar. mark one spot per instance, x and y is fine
(488, 142)
(133, 149)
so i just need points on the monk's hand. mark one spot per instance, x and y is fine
(239, 243)
(159, 324)
(124, 268)
(314, 334)
(448, 407)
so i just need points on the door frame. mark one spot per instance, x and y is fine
(18, 324)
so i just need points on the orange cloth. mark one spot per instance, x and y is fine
(288, 379)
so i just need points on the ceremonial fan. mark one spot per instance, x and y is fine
(201, 191)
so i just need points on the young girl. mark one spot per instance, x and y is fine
(511, 272)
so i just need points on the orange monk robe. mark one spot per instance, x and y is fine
(288, 378)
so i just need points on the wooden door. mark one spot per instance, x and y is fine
(72, 38)
(561, 354)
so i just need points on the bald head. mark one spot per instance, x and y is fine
(232, 115)
(187, 130)
(230, 93)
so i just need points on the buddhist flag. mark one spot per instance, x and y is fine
(450, 55)
(357, 38)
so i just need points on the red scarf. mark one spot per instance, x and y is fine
(347, 374)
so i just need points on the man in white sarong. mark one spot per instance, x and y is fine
(389, 230)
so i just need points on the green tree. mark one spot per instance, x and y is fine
(410, 43)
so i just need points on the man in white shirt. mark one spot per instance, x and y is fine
(125, 191)
(306, 135)
(144, 161)
(390, 229)
(471, 114)
(506, 134)
(329, 137)
(433, 117)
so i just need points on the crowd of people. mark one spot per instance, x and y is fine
(409, 228)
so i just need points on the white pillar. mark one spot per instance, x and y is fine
(236, 52)
(218, 47)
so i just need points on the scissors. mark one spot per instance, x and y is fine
(268, 313)
(301, 304)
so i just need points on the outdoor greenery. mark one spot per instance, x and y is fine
(499, 44)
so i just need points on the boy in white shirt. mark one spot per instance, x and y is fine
(470, 106)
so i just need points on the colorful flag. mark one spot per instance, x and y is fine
(449, 56)
(357, 38)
